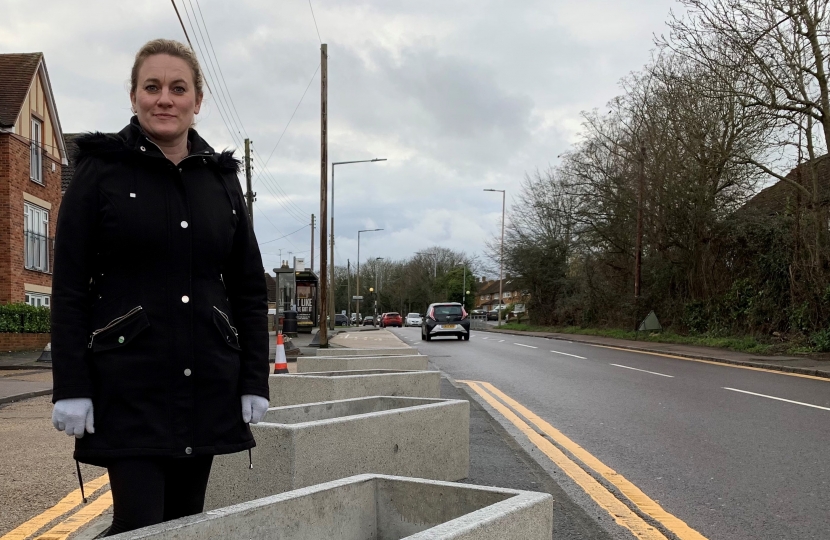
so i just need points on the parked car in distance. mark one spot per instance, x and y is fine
(413, 319)
(446, 319)
(340, 320)
(368, 320)
(493, 314)
(391, 319)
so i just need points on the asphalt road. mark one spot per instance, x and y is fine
(731, 464)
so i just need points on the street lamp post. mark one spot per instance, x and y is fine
(330, 307)
(464, 286)
(377, 290)
(501, 254)
(357, 307)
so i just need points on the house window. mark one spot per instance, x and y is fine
(36, 247)
(35, 152)
(506, 295)
(38, 299)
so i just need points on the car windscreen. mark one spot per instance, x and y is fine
(413, 315)
(447, 313)
(393, 314)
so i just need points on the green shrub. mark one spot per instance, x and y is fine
(23, 318)
(821, 340)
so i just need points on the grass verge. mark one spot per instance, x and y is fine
(747, 344)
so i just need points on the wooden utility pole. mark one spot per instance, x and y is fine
(312, 242)
(324, 159)
(250, 194)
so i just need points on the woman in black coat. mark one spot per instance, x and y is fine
(159, 332)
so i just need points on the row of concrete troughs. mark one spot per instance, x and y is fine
(358, 445)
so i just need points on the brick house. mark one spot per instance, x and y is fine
(32, 154)
(488, 294)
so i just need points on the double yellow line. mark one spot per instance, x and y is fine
(62, 530)
(619, 511)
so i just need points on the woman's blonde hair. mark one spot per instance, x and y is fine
(170, 47)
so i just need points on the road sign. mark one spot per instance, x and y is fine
(357, 298)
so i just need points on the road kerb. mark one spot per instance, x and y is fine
(619, 512)
(25, 395)
(628, 489)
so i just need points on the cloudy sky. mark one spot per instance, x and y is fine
(458, 95)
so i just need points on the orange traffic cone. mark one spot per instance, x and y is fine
(280, 364)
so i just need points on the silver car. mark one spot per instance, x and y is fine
(413, 319)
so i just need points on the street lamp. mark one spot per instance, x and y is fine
(501, 254)
(357, 307)
(377, 290)
(464, 286)
(331, 303)
(434, 263)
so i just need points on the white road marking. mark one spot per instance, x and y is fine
(528, 346)
(778, 399)
(567, 354)
(643, 370)
(501, 341)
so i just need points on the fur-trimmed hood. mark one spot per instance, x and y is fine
(132, 139)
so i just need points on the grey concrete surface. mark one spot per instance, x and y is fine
(309, 444)
(416, 362)
(372, 507)
(733, 466)
(294, 389)
(393, 351)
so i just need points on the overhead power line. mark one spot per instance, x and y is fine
(284, 236)
(315, 22)
(225, 103)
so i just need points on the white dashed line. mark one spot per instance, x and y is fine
(643, 370)
(778, 399)
(568, 354)
(501, 341)
(523, 345)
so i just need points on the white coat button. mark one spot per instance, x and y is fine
(188, 450)
(184, 224)
(120, 339)
(187, 372)
(143, 149)
(180, 169)
(185, 299)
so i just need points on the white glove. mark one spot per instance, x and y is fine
(73, 416)
(253, 408)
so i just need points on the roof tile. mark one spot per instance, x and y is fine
(16, 73)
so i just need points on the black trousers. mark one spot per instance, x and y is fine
(147, 491)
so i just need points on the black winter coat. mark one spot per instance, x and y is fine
(158, 299)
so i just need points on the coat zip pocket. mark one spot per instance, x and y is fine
(227, 320)
(114, 322)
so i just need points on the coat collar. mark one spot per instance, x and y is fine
(130, 140)
(136, 138)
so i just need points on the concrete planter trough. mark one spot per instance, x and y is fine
(314, 387)
(372, 507)
(309, 444)
(310, 364)
(399, 351)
